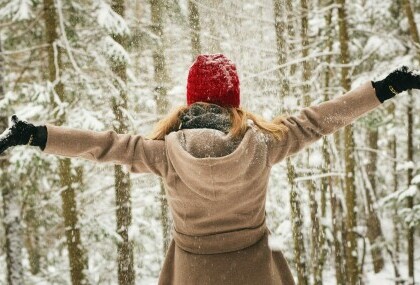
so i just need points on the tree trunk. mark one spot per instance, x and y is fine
(290, 32)
(161, 81)
(194, 20)
(12, 217)
(32, 235)
(296, 215)
(350, 193)
(326, 182)
(297, 228)
(305, 51)
(371, 166)
(410, 147)
(280, 27)
(395, 220)
(337, 221)
(316, 233)
(126, 274)
(77, 258)
(410, 199)
(374, 229)
(12, 225)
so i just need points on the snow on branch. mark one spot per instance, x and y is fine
(111, 21)
(399, 196)
(416, 180)
(318, 176)
(114, 50)
(17, 10)
(8, 99)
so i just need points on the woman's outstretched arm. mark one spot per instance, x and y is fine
(316, 121)
(134, 151)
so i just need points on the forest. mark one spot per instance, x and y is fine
(344, 211)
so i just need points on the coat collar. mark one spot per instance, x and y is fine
(209, 116)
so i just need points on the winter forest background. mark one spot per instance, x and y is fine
(345, 211)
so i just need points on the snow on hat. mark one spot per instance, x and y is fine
(213, 79)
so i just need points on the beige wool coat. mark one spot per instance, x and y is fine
(216, 187)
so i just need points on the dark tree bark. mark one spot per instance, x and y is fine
(395, 220)
(280, 27)
(410, 144)
(316, 232)
(126, 274)
(12, 219)
(297, 228)
(295, 205)
(326, 182)
(374, 229)
(77, 257)
(352, 270)
(161, 81)
(195, 28)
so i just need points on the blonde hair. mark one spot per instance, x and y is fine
(239, 118)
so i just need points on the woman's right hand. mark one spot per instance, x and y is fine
(20, 133)
(401, 79)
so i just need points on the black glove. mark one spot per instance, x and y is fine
(23, 133)
(401, 79)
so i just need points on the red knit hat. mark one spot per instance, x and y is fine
(213, 79)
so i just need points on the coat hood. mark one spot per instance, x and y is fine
(211, 162)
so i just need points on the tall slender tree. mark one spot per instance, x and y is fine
(395, 219)
(297, 227)
(281, 36)
(161, 81)
(291, 33)
(77, 257)
(327, 185)
(126, 274)
(410, 143)
(195, 28)
(374, 230)
(12, 220)
(32, 236)
(316, 232)
(295, 203)
(352, 270)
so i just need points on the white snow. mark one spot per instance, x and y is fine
(17, 10)
(110, 20)
(410, 192)
(114, 50)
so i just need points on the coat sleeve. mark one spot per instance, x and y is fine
(316, 121)
(140, 155)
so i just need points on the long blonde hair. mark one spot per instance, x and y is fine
(238, 116)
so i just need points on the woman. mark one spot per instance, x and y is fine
(215, 159)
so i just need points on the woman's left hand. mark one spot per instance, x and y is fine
(21, 133)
